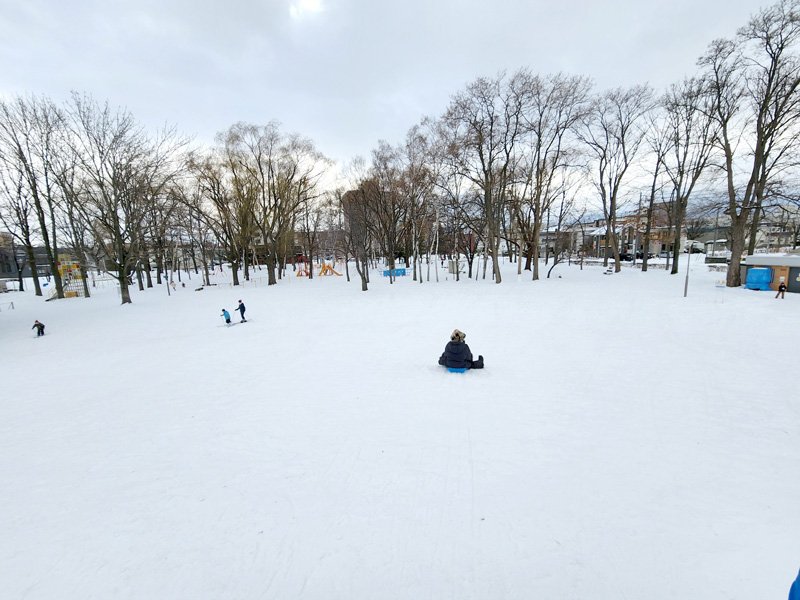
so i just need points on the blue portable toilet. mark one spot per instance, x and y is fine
(758, 278)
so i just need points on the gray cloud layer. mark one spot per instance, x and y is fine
(356, 72)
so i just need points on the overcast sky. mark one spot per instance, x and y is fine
(345, 73)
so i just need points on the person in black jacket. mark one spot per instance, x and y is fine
(781, 290)
(39, 327)
(241, 310)
(457, 354)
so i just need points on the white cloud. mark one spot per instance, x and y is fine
(366, 71)
(299, 9)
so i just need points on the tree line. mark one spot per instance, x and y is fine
(511, 158)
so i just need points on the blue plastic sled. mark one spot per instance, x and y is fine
(457, 369)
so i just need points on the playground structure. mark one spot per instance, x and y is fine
(327, 269)
(71, 278)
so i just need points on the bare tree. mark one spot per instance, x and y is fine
(450, 187)
(487, 125)
(754, 81)
(121, 168)
(72, 219)
(613, 132)
(274, 174)
(416, 186)
(310, 222)
(355, 205)
(29, 130)
(211, 200)
(387, 206)
(561, 239)
(16, 214)
(556, 105)
(659, 142)
(688, 108)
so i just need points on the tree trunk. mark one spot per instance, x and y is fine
(362, 267)
(124, 291)
(528, 256)
(615, 249)
(159, 266)
(52, 258)
(194, 260)
(751, 246)
(235, 271)
(147, 272)
(271, 280)
(496, 258)
(647, 230)
(34, 273)
(738, 226)
(84, 278)
(205, 272)
(139, 279)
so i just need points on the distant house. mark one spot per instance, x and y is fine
(775, 235)
(630, 232)
(7, 266)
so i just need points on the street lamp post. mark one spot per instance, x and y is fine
(714, 242)
(688, 263)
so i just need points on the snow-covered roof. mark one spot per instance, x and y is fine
(777, 260)
(599, 231)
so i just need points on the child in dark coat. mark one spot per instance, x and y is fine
(781, 290)
(39, 327)
(457, 354)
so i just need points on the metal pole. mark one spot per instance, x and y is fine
(688, 262)
(436, 261)
(714, 243)
(637, 238)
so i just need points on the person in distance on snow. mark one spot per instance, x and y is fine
(781, 290)
(39, 327)
(227, 316)
(457, 354)
(241, 310)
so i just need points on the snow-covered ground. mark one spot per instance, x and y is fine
(622, 443)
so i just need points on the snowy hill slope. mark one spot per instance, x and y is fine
(622, 442)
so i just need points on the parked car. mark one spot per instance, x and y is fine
(695, 247)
